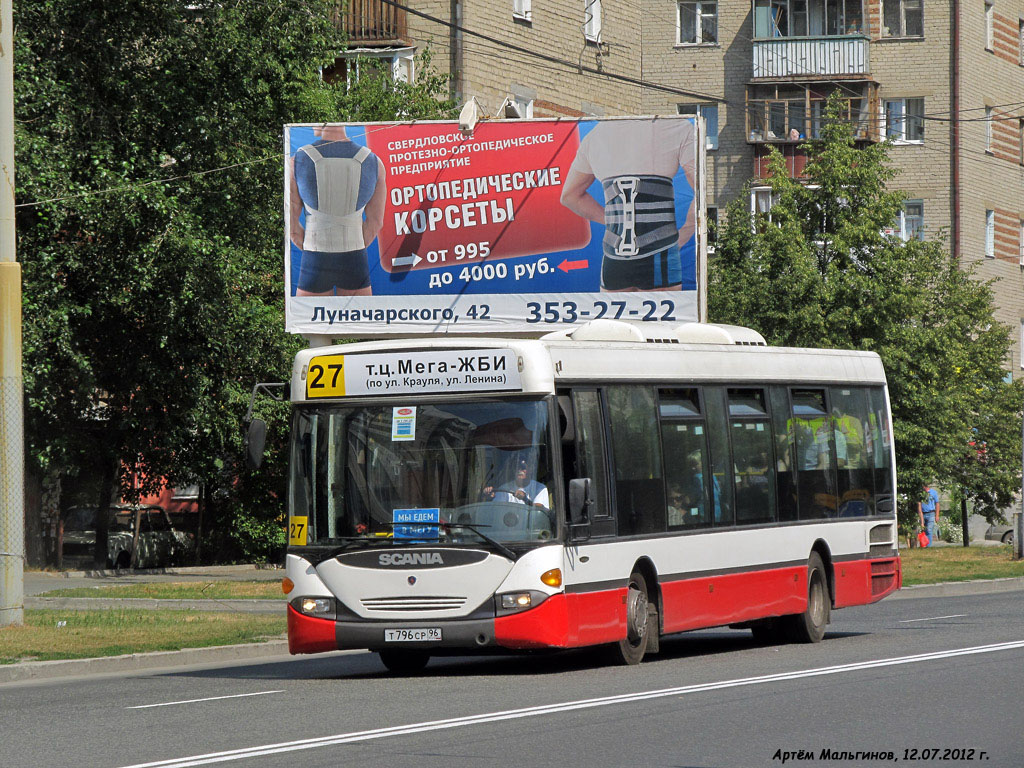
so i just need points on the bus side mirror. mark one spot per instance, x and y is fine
(579, 499)
(255, 441)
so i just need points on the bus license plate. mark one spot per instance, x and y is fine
(412, 635)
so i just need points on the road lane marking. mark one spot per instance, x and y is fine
(209, 698)
(548, 709)
(934, 618)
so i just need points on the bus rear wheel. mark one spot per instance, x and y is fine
(809, 626)
(404, 661)
(632, 648)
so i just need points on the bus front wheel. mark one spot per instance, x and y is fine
(809, 626)
(404, 661)
(631, 649)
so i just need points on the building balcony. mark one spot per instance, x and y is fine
(811, 58)
(371, 21)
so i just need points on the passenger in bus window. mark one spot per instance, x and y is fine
(522, 490)
(678, 509)
(815, 445)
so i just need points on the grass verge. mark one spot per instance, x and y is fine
(181, 590)
(938, 564)
(54, 634)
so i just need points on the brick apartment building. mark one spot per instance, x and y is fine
(944, 79)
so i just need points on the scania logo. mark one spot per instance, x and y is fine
(410, 558)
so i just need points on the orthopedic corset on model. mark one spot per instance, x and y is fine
(336, 224)
(639, 216)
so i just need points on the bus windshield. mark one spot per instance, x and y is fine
(442, 472)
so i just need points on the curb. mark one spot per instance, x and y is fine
(137, 662)
(960, 588)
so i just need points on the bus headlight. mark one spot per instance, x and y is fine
(515, 602)
(321, 607)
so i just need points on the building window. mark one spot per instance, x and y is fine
(990, 234)
(712, 225)
(904, 120)
(1020, 141)
(802, 18)
(988, 129)
(990, 14)
(186, 493)
(762, 200)
(910, 223)
(396, 63)
(402, 68)
(697, 22)
(912, 220)
(1020, 42)
(592, 20)
(710, 114)
(1020, 243)
(902, 18)
(522, 9)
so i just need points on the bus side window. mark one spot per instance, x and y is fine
(684, 447)
(853, 465)
(880, 448)
(724, 486)
(785, 466)
(816, 484)
(636, 449)
(591, 457)
(751, 437)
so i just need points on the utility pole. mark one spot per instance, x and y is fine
(12, 458)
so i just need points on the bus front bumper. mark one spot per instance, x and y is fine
(545, 626)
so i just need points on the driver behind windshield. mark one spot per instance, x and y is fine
(524, 489)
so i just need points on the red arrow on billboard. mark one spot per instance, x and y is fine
(566, 265)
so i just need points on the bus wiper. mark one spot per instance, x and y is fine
(493, 542)
(497, 545)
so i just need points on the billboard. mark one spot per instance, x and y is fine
(523, 227)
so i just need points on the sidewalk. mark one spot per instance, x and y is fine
(37, 582)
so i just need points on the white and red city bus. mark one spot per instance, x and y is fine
(607, 484)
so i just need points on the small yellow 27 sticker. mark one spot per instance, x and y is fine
(297, 531)
(326, 376)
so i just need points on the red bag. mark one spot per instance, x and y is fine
(923, 540)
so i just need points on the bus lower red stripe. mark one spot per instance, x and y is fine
(866, 581)
(546, 626)
(732, 598)
(597, 617)
(310, 635)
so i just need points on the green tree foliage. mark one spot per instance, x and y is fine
(149, 183)
(819, 272)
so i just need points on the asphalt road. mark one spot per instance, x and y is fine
(917, 673)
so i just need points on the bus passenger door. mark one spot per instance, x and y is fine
(596, 611)
(590, 459)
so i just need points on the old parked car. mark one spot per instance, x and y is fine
(1000, 532)
(159, 542)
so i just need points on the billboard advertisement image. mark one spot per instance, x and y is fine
(522, 227)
